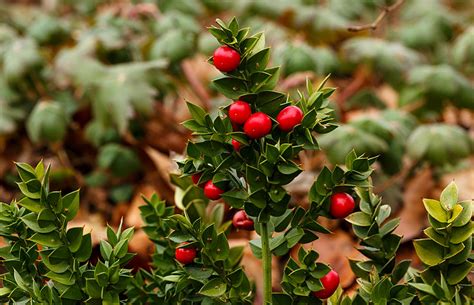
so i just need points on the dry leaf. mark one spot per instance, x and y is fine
(413, 214)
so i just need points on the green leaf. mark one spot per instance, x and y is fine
(428, 251)
(31, 204)
(71, 204)
(460, 234)
(65, 278)
(72, 293)
(4, 291)
(359, 219)
(449, 196)
(85, 250)
(221, 248)
(298, 276)
(31, 222)
(457, 273)
(197, 113)
(293, 236)
(435, 236)
(49, 240)
(25, 171)
(436, 210)
(465, 215)
(20, 281)
(105, 250)
(423, 287)
(231, 87)
(214, 288)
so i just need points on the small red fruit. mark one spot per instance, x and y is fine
(185, 255)
(342, 204)
(258, 125)
(289, 117)
(239, 112)
(236, 144)
(196, 178)
(242, 221)
(212, 191)
(226, 59)
(330, 283)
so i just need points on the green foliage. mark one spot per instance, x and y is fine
(439, 144)
(215, 276)
(446, 252)
(47, 122)
(46, 261)
(384, 136)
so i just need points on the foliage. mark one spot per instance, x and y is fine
(446, 252)
(47, 262)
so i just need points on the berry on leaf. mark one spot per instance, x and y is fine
(289, 117)
(342, 204)
(226, 59)
(236, 144)
(239, 112)
(211, 191)
(330, 283)
(258, 125)
(185, 255)
(196, 178)
(242, 221)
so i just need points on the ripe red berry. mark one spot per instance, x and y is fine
(236, 144)
(196, 178)
(226, 59)
(239, 112)
(258, 125)
(242, 221)
(185, 255)
(211, 191)
(342, 204)
(330, 283)
(289, 117)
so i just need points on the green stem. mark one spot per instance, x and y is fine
(267, 264)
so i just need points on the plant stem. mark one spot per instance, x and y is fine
(267, 265)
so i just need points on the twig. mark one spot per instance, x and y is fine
(372, 26)
(195, 84)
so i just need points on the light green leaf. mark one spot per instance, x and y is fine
(359, 219)
(460, 234)
(214, 288)
(465, 215)
(429, 251)
(449, 196)
(435, 209)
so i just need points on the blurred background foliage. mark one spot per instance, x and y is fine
(98, 89)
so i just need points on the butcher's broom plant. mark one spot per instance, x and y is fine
(47, 262)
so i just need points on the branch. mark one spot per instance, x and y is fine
(372, 26)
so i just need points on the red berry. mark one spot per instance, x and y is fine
(242, 221)
(239, 112)
(226, 59)
(330, 283)
(236, 144)
(258, 125)
(289, 117)
(196, 178)
(342, 204)
(185, 255)
(212, 191)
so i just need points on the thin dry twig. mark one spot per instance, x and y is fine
(372, 26)
(195, 83)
